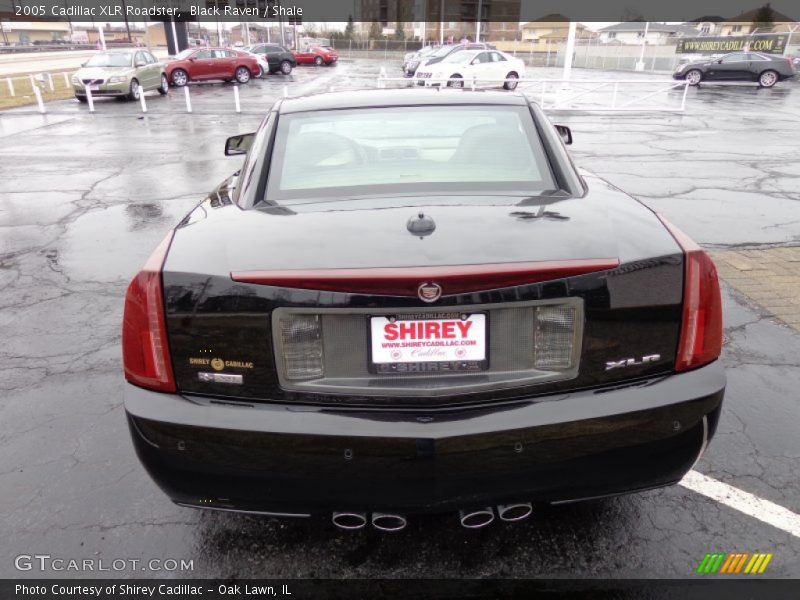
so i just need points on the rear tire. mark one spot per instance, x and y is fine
(694, 77)
(163, 89)
(318, 61)
(180, 78)
(511, 85)
(242, 75)
(767, 79)
(286, 67)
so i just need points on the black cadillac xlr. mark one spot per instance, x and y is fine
(411, 301)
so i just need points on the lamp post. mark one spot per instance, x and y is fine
(573, 27)
(441, 25)
(640, 64)
(127, 25)
(478, 24)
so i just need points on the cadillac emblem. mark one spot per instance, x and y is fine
(429, 292)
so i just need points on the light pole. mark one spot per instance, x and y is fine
(789, 39)
(127, 25)
(478, 24)
(573, 27)
(441, 25)
(640, 64)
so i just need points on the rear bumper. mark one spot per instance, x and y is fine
(305, 460)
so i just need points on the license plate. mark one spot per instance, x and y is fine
(422, 344)
(94, 88)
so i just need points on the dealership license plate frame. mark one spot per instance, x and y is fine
(428, 367)
(365, 384)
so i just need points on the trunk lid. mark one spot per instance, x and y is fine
(217, 325)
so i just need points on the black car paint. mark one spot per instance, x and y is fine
(275, 55)
(262, 448)
(206, 310)
(303, 460)
(748, 70)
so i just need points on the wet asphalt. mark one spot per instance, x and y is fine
(85, 198)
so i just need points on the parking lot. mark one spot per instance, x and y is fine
(86, 197)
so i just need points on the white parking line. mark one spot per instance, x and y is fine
(750, 504)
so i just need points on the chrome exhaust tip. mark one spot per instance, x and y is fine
(388, 522)
(475, 519)
(514, 512)
(349, 520)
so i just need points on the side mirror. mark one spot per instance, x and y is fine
(719, 61)
(565, 133)
(239, 144)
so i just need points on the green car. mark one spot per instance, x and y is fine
(120, 73)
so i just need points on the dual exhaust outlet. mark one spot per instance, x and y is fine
(470, 519)
(358, 520)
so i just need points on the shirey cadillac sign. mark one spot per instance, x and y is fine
(768, 44)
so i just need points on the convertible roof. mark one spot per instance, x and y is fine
(402, 97)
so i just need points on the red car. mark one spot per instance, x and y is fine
(316, 55)
(201, 64)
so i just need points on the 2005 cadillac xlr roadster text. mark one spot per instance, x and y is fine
(411, 301)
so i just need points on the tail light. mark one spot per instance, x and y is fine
(145, 354)
(301, 347)
(701, 328)
(554, 337)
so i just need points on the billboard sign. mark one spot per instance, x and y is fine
(767, 44)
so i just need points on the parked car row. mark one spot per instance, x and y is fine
(124, 73)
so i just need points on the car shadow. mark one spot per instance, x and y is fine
(548, 542)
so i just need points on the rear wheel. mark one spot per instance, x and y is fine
(135, 91)
(318, 60)
(694, 77)
(511, 85)
(242, 74)
(286, 67)
(458, 83)
(81, 98)
(767, 79)
(163, 88)
(180, 77)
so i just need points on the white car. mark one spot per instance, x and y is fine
(262, 61)
(484, 68)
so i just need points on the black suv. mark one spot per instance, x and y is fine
(280, 60)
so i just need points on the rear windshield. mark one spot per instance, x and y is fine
(460, 56)
(442, 51)
(185, 53)
(430, 149)
(110, 59)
